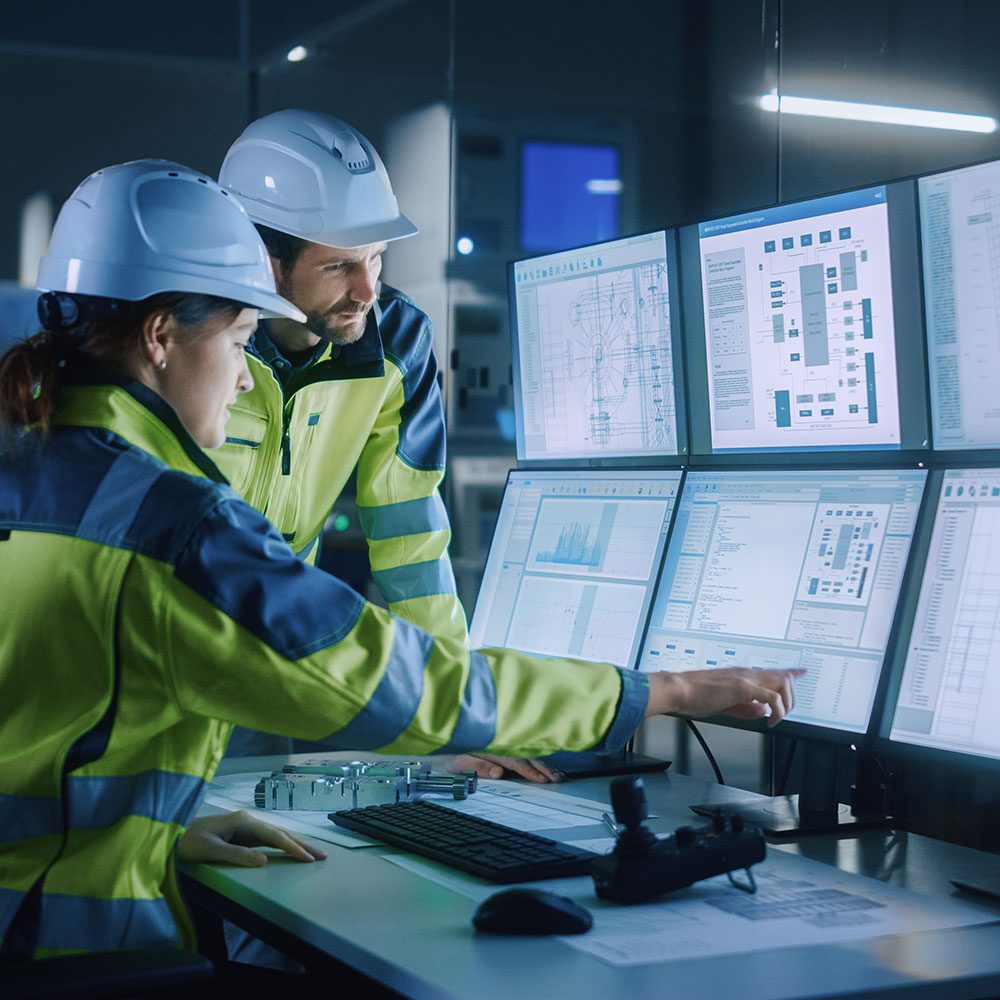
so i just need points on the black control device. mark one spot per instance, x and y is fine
(644, 866)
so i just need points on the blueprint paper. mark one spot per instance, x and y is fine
(798, 902)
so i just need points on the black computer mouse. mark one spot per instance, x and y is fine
(531, 911)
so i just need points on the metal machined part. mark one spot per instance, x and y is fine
(329, 787)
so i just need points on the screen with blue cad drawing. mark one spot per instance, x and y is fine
(594, 359)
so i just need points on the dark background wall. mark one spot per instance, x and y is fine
(84, 85)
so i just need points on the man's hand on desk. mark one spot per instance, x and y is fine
(737, 691)
(488, 765)
(230, 838)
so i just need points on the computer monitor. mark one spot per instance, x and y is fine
(571, 572)
(593, 352)
(791, 568)
(804, 329)
(958, 227)
(943, 698)
(573, 563)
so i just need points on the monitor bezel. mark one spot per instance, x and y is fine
(810, 730)
(639, 472)
(909, 328)
(884, 709)
(609, 460)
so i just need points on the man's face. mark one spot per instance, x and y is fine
(334, 288)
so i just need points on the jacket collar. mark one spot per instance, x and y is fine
(93, 397)
(363, 358)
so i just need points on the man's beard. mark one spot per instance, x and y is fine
(322, 325)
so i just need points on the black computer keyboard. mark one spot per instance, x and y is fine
(478, 846)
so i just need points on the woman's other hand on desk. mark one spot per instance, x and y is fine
(229, 839)
(737, 691)
(488, 765)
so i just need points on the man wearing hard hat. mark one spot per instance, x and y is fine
(356, 384)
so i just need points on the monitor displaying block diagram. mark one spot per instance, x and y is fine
(788, 569)
(799, 326)
(949, 695)
(593, 357)
(573, 563)
(960, 235)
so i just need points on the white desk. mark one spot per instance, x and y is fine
(415, 936)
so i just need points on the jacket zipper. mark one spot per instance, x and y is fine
(286, 447)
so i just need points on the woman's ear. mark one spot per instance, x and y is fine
(158, 336)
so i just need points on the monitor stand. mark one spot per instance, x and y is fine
(589, 764)
(817, 808)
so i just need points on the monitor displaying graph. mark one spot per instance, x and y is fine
(788, 569)
(799, 321)
(949, 694)
(573, 562)
(593, 355)
(960, 230)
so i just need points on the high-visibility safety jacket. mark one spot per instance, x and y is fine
(293, 441)
(146, 609)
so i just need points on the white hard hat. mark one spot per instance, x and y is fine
(315, 177)
(149, 226)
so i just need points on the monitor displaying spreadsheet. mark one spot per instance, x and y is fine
(949, 693)
(960, 229)
(573, 562)
(788, 569)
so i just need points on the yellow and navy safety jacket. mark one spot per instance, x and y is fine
(146, 609)
(294, 439)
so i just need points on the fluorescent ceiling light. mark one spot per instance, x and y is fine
(884, 113)
(297, 54)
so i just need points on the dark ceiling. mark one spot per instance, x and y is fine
(249, 33)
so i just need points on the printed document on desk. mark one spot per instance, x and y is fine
(798, 902)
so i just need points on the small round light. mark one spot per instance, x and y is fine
(297, 54)
(341, 522)
(465, 246)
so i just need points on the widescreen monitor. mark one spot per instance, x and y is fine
(803, 326)
(788, 569)
(573, 563)
(959, 220)
(593, 352)
(945, 700)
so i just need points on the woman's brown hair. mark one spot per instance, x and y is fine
(30, 370)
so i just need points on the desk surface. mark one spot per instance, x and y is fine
(415, 936)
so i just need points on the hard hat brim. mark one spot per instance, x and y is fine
(82, 277)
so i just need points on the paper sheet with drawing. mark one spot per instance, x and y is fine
(798, 902)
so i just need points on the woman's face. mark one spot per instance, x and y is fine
(203, 375)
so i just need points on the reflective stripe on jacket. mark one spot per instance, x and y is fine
(147, 608)
(374, 404)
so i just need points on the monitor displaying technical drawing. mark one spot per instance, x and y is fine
(949, 694)
(573, 563)
(788, 569)
(960, 230)
(799, 310)
(593, 354)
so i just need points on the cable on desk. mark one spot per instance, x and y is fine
(704, 746)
